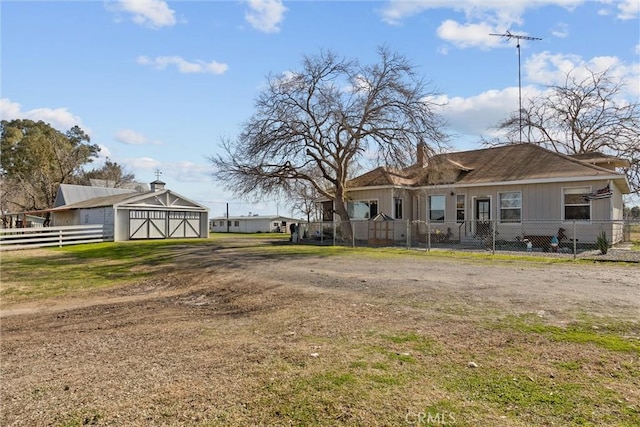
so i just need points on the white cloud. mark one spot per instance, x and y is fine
(467, 35)
(265, 15)
(131, 137)
(147, 13)
(548, 69)
(186, 171)
(180, 175)
(479, 18)
(551, 69)
(628, 9)
(141, 164)
(476, 115)
(494, 11)
(560, 30)
(59, 118)
(197, 67)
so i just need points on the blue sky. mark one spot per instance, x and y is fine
(157, 84)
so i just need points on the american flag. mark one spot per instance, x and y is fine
(603, 193)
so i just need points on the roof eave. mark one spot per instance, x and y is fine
(619, 179)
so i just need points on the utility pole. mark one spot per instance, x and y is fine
(508, 35)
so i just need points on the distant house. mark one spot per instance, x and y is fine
(156, 214)
(513, 186)
(20, 220)
(252, 224)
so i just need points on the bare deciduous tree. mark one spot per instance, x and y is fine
(303, 199)
(316, 125)
(583, 115)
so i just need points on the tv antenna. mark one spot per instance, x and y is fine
(509, 35)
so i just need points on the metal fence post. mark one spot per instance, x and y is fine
(575, 245)
(334, 231)
(408, 234)
(493, 236)
(353, 235)
(428, 236)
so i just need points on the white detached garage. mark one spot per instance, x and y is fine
(156, 214)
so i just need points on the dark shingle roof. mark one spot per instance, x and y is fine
(520, 162)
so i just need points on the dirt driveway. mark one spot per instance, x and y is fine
(196, 347)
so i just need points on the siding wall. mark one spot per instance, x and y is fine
(540, 202)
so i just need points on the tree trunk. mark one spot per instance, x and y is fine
(340, 207)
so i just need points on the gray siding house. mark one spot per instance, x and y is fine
(524, 188)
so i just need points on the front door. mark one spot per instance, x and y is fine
(483, 217)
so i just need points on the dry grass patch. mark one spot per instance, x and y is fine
(238, 335)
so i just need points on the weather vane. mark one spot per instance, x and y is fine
(158, 173)
(509, 35)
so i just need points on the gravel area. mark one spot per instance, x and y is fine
(200, 346)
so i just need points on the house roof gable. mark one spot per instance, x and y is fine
(519, 162)
(510, 163)
(381, 176)
(148, 200)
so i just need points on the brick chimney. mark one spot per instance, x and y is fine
(157, 185)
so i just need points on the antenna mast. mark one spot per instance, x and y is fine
(508, 35)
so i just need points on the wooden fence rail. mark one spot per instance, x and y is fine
(36, 237)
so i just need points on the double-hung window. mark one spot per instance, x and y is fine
(436, 208)
(511, 207)
(576, 204)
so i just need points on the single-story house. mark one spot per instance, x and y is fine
(523, 188)
(252, 224)
(156, 214)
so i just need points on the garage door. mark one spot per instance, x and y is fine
(147, 224)
(184, 224)
(163, 224)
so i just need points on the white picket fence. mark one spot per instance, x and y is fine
(36, 237)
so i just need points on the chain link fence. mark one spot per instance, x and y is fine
(568, 237)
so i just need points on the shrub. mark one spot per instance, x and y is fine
(602, 242)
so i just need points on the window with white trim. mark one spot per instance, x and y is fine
(511, 206)
(362, 209)
(576, 205)
(436, 208)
